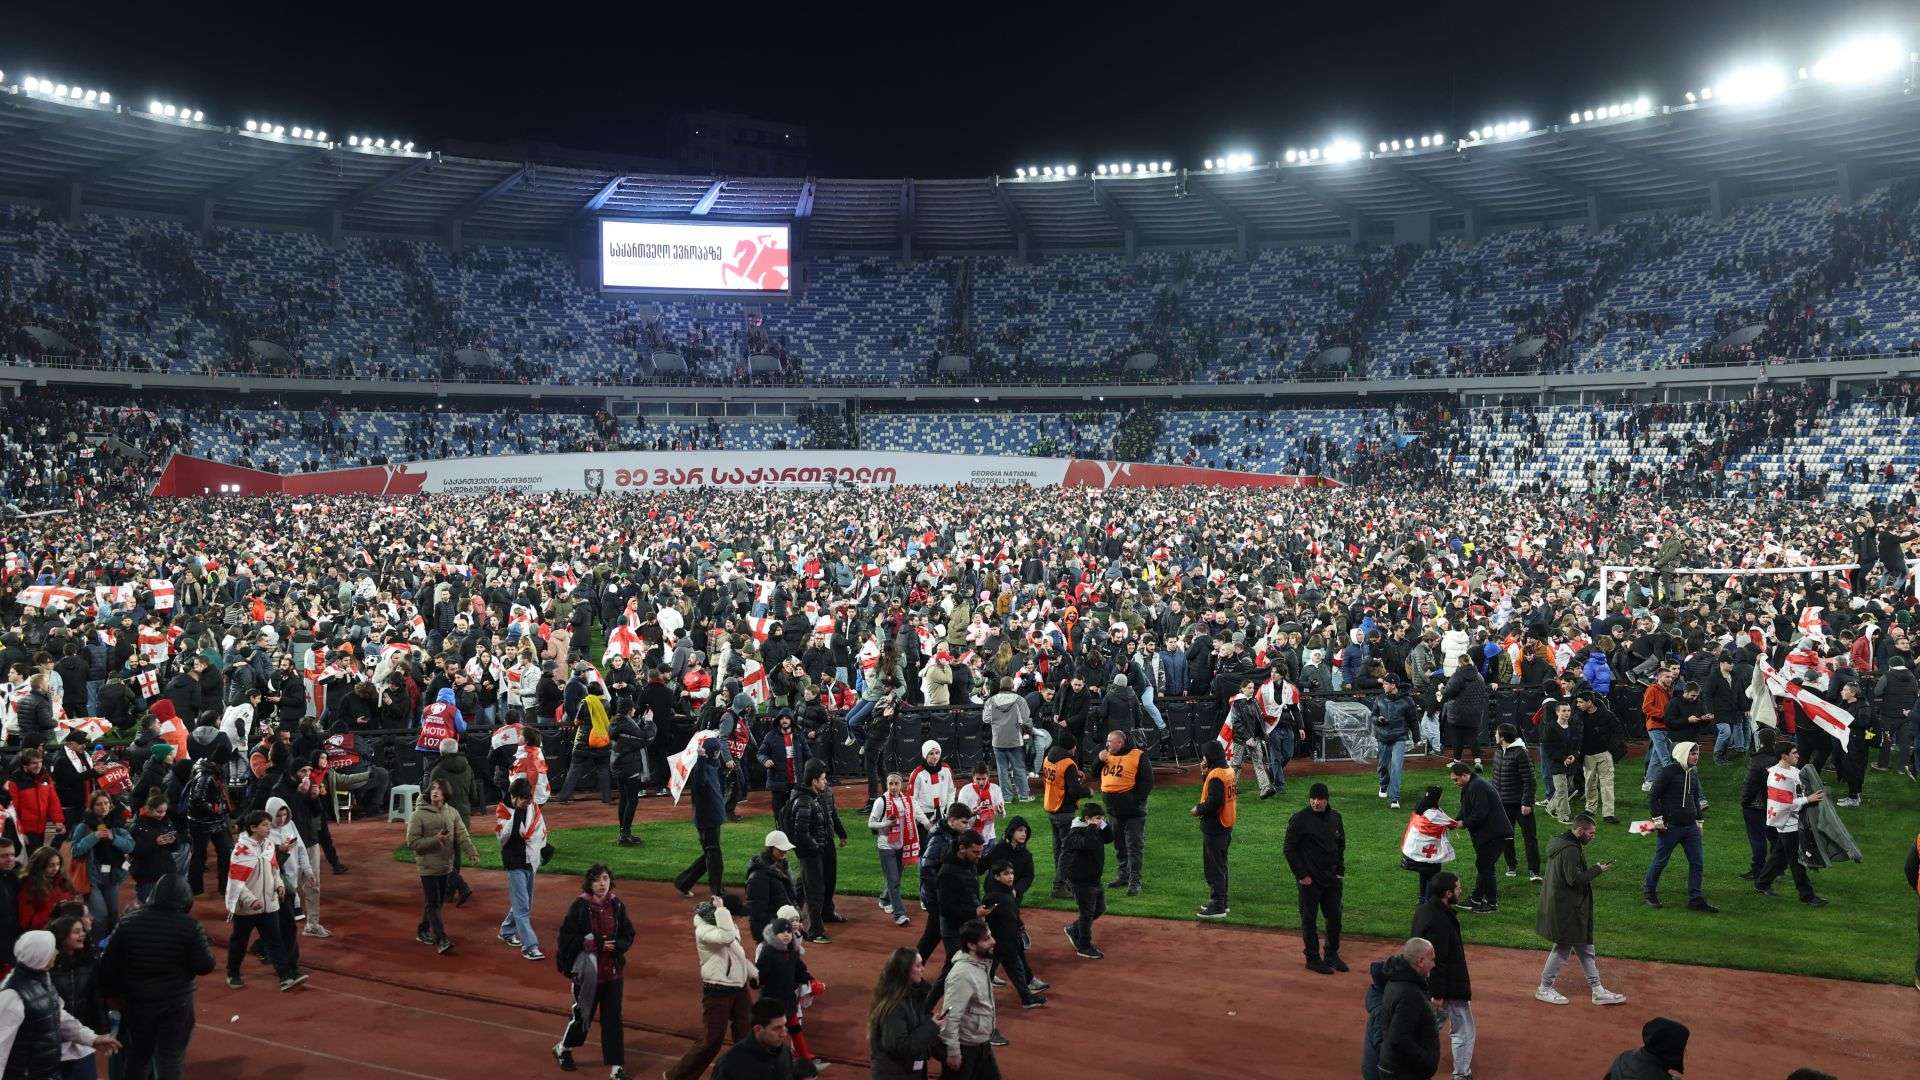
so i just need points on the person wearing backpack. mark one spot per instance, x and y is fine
(592, 745)
(812, 821)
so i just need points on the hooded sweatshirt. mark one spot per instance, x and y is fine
(290, 851)
(1006, 713)
(1676, 792)
(1663, 1052)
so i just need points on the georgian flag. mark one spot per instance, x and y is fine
(148, 683)
(113, 595)
(762, 594)
(623, 642)
(47, 597)
(1810, 625)
(93, 727)
(680, 765)
(670, 621)
(162, 594)
(16, 562)
(1641, 828)
(1831, 718)
(758, 625)
(754, 681)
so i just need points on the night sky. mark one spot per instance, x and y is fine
(922, 89)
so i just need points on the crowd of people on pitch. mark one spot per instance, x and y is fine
(239, 653)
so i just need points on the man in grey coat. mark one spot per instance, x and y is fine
(1006, 715)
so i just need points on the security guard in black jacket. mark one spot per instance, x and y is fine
(1316, 849)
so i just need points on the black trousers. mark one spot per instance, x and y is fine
(929, 936)
(1466, 739)
(1213, 854)
(434, 888)
(1427, 872)
(1012, 958)
(202, 837)
(1486, 879)
(1091, 900)
(1320, 899)
(605, 1005)
(708, 862)
(1784, 855)
(629, 802)
(1757, 838)
(1062, 824)
(816, 886)
(268, 927)
(877, 760)
(1525, 823)
(156, 1032)
(326, 844)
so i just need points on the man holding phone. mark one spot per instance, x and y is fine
(1566, 912)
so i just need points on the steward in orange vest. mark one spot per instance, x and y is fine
(1218, 809)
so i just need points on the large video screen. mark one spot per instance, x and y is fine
(658, 256)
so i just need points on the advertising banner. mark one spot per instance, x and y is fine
(618, 471)
(673, 257)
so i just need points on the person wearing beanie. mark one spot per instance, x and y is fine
(1217, 810)
(152, 775)
(34, 1024)
(1316, 851)
(1678, 806)
(932, 786)
(706, 789)
(784, 978)
(1662, 1053)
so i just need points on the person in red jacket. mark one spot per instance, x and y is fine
(43, 888)
(36, 806)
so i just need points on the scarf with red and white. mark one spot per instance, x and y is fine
(983, 812)
(902, 833)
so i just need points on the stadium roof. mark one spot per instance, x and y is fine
(118, 159)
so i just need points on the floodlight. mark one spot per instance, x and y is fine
(155, 107)
(60, 90)
(1473, 135)
(1047, 171)
(171, 111)
(380, 143)
(1753, 84)
(1691, 98)
(1861, 60)
(1642, 105)
(1207, 164)
(1126, 166)
(251, 126)
(1289, 156)
(1072, 170)
(30, 84)
(322, 136)
(1706, 93)
(1100, 170)
(106, 98)
(93, 95)
(354, 140)
(279, 129)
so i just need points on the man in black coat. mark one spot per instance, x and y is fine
(816, 828)
(1449, 983)
(1316, 850)
(1409, 1033)
(1465, 702)
(152, 960)
(1487, 822)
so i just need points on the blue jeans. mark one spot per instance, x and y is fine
(1153, 711)
(1012, 763)
(1279, 750)
(93, 697)
(857, 720)
(1687, 839)
(519, 920)
(1393, 757)
(104, 899)
(1659, 751)
(1037, 748)
(890, 871)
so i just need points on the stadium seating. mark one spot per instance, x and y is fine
(134, 291)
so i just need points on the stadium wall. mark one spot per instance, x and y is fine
(615, 471)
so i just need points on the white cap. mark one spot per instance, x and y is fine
(778, 839)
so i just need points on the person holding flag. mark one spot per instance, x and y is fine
(1786, 798)
(697, 771)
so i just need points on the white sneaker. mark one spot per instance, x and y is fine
(1604, 996)
(1549, 995)
(314, 929)
(1393, 806)
(1646, 785)
(1383, 794)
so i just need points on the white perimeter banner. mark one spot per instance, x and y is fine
(615, 471)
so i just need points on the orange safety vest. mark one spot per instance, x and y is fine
(1230, 810)
(1053, 778)
(1119, 772)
